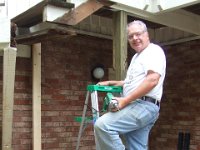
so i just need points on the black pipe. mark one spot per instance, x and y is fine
(180, 141)
(186, 144)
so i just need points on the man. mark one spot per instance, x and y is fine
(138, 108)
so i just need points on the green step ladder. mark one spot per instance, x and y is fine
(93, 89)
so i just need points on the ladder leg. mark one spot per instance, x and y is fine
(95, 113)
(83, 120)
(95, 106)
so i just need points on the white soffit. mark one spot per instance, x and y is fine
(51, 12)
(156, 6)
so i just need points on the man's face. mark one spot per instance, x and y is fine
(138, 38)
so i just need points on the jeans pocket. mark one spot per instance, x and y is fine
(145, 114)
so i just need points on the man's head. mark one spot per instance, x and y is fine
(138, 36)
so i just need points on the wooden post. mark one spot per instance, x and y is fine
(119, 44)
(9, 63)
(36, 51)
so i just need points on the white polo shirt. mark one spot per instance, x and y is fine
(151, 58)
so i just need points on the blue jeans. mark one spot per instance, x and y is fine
(134, 122)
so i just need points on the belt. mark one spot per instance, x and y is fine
(152, 100)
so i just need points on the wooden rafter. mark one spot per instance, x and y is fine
(81, 12)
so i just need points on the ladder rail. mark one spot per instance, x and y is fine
(82, 121)
(95, 106)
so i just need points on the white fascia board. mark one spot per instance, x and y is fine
(137, 4)
(77, 2)
(2, 46)
(165, 6)
(51, 12)
(24, 51)
(179, 19)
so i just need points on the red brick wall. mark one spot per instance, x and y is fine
(22, 117)
(66, 66)
(180, 103)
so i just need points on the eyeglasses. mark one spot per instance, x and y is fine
(136, 34)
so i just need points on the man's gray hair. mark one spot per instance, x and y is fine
(138, 22)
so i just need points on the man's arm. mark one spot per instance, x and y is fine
(111, 83)
(147, 85)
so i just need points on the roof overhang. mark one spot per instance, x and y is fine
(157, 11)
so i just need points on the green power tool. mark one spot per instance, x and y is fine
(109, 102)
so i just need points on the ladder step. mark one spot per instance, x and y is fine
(87, 119)
(102, 88)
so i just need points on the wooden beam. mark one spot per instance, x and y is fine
(36, 104)
(76, 15)
(43, 31)
(119, 44)
(182, 40)
(9, 63)
(156, 6)
(178, 19)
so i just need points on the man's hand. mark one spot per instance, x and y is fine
(121, 104)
(104, 83)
